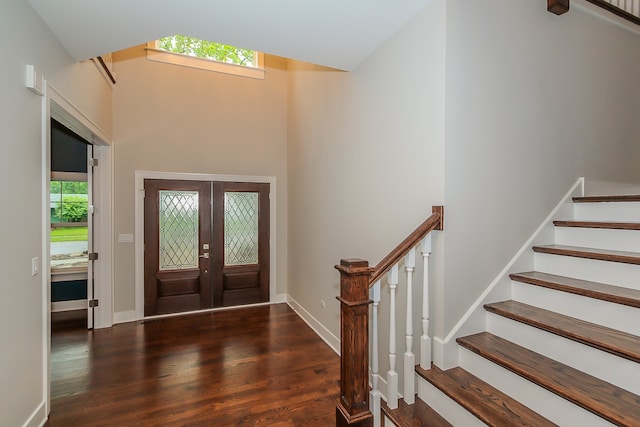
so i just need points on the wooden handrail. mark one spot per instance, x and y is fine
(434, 222)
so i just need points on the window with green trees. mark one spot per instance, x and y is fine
(69, 207)
(198, 48)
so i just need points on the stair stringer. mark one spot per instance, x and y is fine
(445, 350)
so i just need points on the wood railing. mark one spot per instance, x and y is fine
(627, 9)
(360, 287)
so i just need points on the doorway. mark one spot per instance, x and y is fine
(206, 244)
(71, 218)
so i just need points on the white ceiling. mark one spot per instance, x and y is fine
(333, 33)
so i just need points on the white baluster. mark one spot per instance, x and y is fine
(392, 375)
(374, 395)
(409, 357)
(425, 340)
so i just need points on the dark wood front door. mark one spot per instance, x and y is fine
(241, 254)
(206, 245)
(177, 238)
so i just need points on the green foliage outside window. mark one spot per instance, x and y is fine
(69, 187)
(69, 201)
(209, 50)
(73, 209)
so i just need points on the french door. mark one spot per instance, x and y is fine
(206, 245)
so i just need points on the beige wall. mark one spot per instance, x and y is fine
(365, 158)
(25, 40)
(534, 101)
(169, 118)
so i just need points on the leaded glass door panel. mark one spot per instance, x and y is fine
(241, 238)
(206, 245)
(177, 241)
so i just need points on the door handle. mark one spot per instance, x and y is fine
(205, 255)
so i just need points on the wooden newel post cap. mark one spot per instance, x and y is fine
(354, 267)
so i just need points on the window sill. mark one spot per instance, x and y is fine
(203, 64)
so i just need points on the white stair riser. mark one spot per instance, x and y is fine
(619, 240)
(613, 369)
(620, 212)
(446, 407)
(547, 404)
(611, 315)
(612, 273)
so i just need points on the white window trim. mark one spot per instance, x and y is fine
(159, 55)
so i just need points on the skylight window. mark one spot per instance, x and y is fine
(207, 55)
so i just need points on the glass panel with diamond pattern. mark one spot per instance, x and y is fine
(240, 228)
(179, 237)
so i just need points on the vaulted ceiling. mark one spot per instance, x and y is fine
(333, 33)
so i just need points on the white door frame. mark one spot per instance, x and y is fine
(56, 106)
(139, 227)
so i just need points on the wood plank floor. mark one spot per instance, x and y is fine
(259, 366)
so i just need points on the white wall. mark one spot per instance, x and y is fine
(169, 118)
(24, 39)
(365, 158)
(533, 102)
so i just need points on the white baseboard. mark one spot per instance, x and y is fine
(124, 316)
(279, 298)
(38, 417)
(318, 328)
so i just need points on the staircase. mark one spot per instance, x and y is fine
(565, 350)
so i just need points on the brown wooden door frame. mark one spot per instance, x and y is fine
(245, 284)
(175, 290)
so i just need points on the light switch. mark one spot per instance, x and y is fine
(125, 238)
(35, 266)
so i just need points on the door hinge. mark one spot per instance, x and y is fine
(93, 256)
(93, 303)
(93, 163)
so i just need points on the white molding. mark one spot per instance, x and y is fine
(39, 417)
(124, 316)
(56, 106)
(445, 350)
(326, 335)
(59, 306)
(279, 298)
(103, 236)
(140, 176)
(69, 115)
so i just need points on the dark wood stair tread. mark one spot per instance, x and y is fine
(590, 253)
(417, 415)
(599, 224)
(597, 199)
(606, 339)
(487, 403)
(604, 399)
(601, 291)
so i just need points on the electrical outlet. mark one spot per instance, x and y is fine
(35, 266)
(323, 304)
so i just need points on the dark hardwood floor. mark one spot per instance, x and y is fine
(259, 366)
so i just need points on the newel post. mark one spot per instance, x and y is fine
(353, 408)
